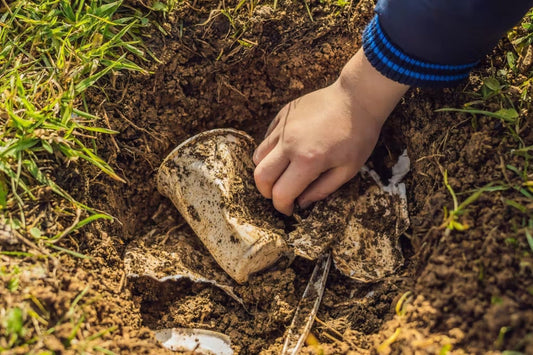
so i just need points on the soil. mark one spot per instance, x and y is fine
(468, 291)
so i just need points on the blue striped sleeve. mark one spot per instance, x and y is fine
(397, 65)
(436, 43)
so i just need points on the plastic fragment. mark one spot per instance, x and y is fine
(199, 341)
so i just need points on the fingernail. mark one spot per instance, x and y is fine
(286, 211)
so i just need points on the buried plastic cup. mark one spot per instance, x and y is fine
(209, 178)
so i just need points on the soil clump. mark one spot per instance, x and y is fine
(470, 291)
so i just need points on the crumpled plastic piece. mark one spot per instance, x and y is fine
(175, 256)
(197, 341)
(324, 223)
(370, 248)
(362, 223)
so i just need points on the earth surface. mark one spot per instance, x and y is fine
(458, 292)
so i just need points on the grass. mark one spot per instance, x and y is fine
(509, 101)
(401, 310)
(52, 52)
(451, 218)
(242, 18)
(27, 324)
(505, 96)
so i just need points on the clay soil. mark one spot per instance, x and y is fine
(469, 292)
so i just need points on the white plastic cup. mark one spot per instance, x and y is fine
(209, 178)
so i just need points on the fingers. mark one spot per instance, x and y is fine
(291, 184)
(264, 148)
(325, 185)
(282, 114)
(268, 170)
(272, 125)
(270, 140)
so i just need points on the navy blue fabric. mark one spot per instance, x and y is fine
(392, 62)
(408, 37)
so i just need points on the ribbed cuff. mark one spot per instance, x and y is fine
(396, 65)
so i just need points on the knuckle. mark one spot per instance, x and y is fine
(310, 156)
(261, 175)
(290, 141)
(262, 182)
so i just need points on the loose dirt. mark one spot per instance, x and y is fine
(469, 291)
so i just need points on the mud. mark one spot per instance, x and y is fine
(471, 291)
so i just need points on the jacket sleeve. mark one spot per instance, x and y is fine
(436, 42)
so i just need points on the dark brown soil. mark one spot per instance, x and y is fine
(470, 290)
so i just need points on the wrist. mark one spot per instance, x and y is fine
(369, 89)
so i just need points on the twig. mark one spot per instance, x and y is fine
(30, 243)
(137, 127)
(175, 228)
(69, 229)
(121, 282)
(106, 118)
(325, 325)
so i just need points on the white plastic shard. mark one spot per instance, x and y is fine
(325, 223)
(370, 248)
(399, 170)
(209, 178)
(361, 222)
(174, 257)
(305, 314)
(195, 341)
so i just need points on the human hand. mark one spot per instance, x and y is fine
(320, 141)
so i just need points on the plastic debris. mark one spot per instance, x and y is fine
(175, 256)
(197, 341)
(304, 316)
(209, 178)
